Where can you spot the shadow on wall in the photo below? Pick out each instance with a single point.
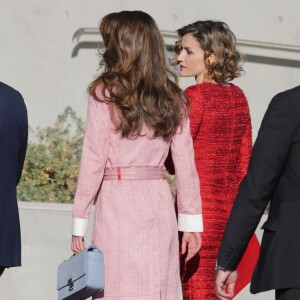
(171, 37)
(249, 57)
(273, 61)
(86, 45)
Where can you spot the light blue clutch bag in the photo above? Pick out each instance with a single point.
(81, 276)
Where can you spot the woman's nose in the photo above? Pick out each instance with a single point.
(180, 56)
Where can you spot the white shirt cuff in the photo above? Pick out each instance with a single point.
(190, 223)
(79, 226)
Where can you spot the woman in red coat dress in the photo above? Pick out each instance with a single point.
(221, 130)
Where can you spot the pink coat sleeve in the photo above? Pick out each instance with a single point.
(93, 160)
(187, 181)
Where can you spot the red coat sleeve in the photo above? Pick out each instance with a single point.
(245, 152)
(196, 110)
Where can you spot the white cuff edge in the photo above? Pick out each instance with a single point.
(79, 226)
(190, 223)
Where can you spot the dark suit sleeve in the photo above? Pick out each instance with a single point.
(23, 148)
(267, 164)
(22, 155)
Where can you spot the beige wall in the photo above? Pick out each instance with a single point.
(36, 46)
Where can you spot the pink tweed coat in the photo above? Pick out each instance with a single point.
(135, 223)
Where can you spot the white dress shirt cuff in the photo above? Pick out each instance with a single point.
(190, 223)
(79, 226)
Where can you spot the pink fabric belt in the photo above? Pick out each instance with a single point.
(133, 173)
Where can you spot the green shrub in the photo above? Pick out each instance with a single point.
(52, 161)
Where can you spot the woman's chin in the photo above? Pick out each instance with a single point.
(183, 74)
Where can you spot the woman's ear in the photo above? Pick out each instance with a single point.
(211, 59)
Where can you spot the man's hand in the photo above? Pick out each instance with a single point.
(225, 282)
(191, 243)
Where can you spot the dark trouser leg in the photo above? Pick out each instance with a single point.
(287, 294)
(2, 270)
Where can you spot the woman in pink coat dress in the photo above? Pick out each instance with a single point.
(135, 114)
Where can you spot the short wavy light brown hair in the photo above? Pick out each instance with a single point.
(216, 38)
(137, 76)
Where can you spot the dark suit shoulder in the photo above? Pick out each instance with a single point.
(292, 94)
(11, 99)
(292, 97)
(285, 103)
(13, 111)
(294, 91)
(6, 89)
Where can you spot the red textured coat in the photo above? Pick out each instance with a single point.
(221, 130)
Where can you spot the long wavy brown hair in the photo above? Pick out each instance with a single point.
(137, 77)
(216, 38)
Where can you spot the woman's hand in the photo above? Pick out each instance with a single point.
(78, 244)
(191, 243)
